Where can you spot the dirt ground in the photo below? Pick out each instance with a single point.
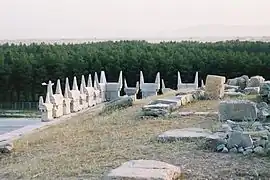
(88, 146)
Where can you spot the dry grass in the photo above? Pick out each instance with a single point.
(89, 146)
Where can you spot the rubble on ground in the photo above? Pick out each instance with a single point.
(165, 106)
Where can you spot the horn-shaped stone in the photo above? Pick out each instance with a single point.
(83, 85)
(137, 84)
(141, 78)
(125, 83)
(67, 88)
(202, 83)
(179, 80)
(196, 80)
(89, 82)
(157, 80)
(163, 84)
(120, 79)
(103, 77)
(96, 82)
(58, 87)
(75, 84)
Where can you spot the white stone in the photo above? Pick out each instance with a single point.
(149, 89)
(187, 86)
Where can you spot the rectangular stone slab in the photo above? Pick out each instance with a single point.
(145, 170)
(237, 110)
(186, 133)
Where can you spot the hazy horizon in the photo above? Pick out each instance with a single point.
(88, 19)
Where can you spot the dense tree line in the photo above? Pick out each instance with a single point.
(24, 67)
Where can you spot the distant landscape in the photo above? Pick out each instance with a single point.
(201, 33)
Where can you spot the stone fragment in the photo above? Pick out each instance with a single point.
(157, 110)
(248, 151)
(259, 150)
(6, 147)
(227, 87)
(213, 142)
(145, 169)
(220, 147)
(263, 111)
(122, 102)
(237, 110)
(234, 150)
(226, 128)
(234, 94)
(225, 150)
(186, 133)
(257, 126)
(255, 81)
(252, 90)
(265, 91)
(240, 150)
(239, 139)
(242, 81)
(214, 87)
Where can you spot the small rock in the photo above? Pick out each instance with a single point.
(257, 126)
(240, 150)
(248, 151)
(226, 128)
(267, 128)
(240, 139)
(233, 150)
(262, 143)
(238, 128)
(6, 147)
(221, 147)
(259, 150)
(225, 150)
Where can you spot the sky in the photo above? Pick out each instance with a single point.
(29, 19)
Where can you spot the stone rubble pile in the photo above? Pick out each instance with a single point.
(243, 138)
(244, 85)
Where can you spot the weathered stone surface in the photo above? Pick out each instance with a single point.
(252, 90)
(186, 133)
(234, 94)
(242, 81)
(259, 150)
(174, 102)
(157, 110)
(265, 91)
(234, 150)
(237, 110)
(263, 111)
(145, 170)
(225, 128)
(255, 81)
(214, 87)
(121, 102)
(227, 86)
(239, 139)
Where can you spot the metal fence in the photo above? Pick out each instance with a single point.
(25, 106)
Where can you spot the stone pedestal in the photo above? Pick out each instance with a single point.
(66, 106)
(46, 112)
